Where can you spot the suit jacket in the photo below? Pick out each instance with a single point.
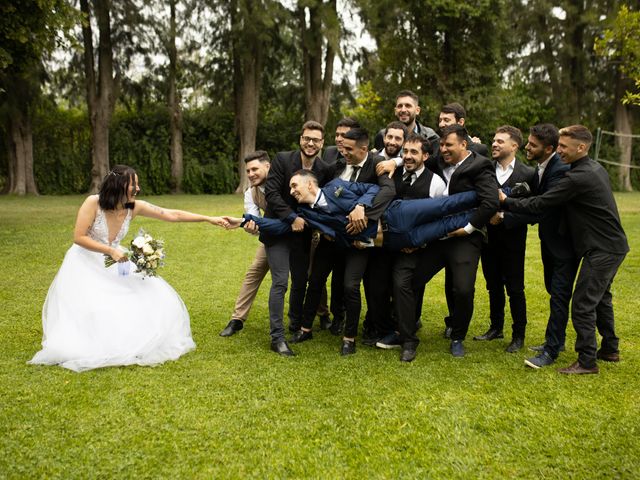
(280, 203)
(476, 173)
(516, 236)
(552, 228)
(368, 175)
(592, 214)
(479, 148)
(331, 156)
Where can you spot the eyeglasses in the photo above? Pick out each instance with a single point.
(306, 139)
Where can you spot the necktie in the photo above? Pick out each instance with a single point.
(354, 173)
(407, 179)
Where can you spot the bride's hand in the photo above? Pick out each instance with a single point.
(220, 221)
(232, 222)
(118, 255)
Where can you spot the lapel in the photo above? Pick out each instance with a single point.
(465, 166)
(550, 167)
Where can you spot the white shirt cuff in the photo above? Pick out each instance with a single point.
(399, 162)
(469, 228)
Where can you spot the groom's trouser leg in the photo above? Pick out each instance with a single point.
(252, 281)
(278, 259)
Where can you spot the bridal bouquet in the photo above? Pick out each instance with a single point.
(146, 253)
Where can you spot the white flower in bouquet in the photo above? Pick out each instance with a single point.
(146, 254)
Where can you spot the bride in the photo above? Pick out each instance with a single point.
(93, 317)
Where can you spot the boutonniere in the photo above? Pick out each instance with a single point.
(338, 191)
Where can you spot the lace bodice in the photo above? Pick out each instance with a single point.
(99, 231)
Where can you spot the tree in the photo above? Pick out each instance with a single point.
(28, 31)
(620, 44)
(319, 33)
(101, 86)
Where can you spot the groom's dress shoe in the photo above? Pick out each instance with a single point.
(282, 348)
(490, 334)
(232, 327)
(301, 336)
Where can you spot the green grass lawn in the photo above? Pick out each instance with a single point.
(233, 409)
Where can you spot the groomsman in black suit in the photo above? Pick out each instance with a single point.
(290, 253)
(559, 261)
(462, 170)
(599, 242)
(360, 167)
(503, 254)
(412, 182)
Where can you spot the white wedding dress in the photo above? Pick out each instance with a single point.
(93, 317)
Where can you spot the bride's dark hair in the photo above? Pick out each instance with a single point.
(115, 184)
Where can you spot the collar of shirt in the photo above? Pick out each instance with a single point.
(320, 201)
(417, 173)
(544, 164)
(346, 173)
(510, 166)
(386, 155)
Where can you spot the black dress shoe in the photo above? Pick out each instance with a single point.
(325, 322)
(407, 355)
(301, 336)
(294, 327)
(490, 334)
(232, 327)
(457, 348)
(447, 332)
(348, 348)
(516, 344)
(337, 326)
(282, 348)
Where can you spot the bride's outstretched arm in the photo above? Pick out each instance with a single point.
(84, 220)
(147, 209)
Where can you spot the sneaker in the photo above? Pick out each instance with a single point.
(389, 342)
(543, 359)
(540, 348)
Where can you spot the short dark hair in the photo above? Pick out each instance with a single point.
(306, 174)
(547, 133)
(398, 126)
(260, 155)
(360, 135)
(348, 122)
(408, 93)
(457, 129)
(514, 133)
(577, 132)
(455, 108)
(113, 190)
(425, 143)
(312, 125)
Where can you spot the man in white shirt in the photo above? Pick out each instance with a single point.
(503, 254)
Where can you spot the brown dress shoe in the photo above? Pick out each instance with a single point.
(608, 357)
(576, 368)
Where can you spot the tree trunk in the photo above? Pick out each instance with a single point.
(317, 87)
(101, 96)
(20, 155)
(175, 111)
(247, 65)
(622, 125)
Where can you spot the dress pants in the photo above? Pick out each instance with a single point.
(252, 280)
(287, 254)
(355, 265)
(406, 301)
(503, 268)
(591, 307)
(328, 258)
(461, 255)
(559, 275)
(378, 292)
